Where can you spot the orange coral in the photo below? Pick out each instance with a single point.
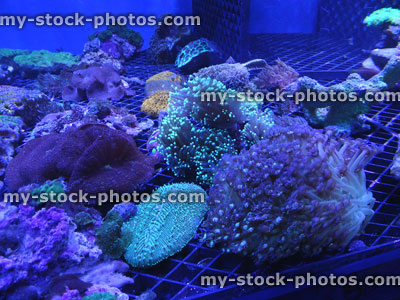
(156, 103)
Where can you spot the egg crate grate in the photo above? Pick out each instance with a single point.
(308, 53)
(179, 276)
(225, 22)
(344, 19)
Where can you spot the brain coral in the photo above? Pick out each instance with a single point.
(297, 192)
(196, 55)
(92, 158)
(162, 228)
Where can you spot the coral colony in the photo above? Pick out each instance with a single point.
(275, 185)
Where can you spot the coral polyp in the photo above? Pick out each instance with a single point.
(298, 191)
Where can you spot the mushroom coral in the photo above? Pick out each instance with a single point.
(297, 192)
(92, 158)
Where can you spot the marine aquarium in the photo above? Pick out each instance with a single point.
(199, 149)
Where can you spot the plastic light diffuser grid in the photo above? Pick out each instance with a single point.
(179, 276)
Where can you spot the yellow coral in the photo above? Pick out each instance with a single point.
(167, 76)
(156, 103)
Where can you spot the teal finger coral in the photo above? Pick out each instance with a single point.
(162, 228)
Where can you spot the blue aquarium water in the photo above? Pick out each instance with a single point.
(204, 149)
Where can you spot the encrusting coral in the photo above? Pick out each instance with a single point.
(38, 246)
(92, 158)
(11, 132)
(297, 192)
(340, 116)
(163, 81)
(156, 103)
(7, 55)
(45, 61)
(30, 105)
(102, 112)
(157, 89)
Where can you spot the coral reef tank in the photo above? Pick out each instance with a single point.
(199, 149)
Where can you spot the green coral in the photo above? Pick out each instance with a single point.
(83, 218)
(133, 37)
(100, 296)
(198, 131)
(192, 50)
(30, 105)
(50, 190)
(341, 116)
(191, 150)
(108, 235)
(45, 59)
(162, 228)
(383, 16)
(257, 128)
(7, 55)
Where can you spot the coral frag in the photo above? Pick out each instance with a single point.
(299, 191)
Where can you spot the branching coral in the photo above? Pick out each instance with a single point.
(164, 225)
(299, 191)
(277, 76)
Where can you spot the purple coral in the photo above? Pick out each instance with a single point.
(42, 245)
(299, 191)
(95, 83)
(93, 158)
